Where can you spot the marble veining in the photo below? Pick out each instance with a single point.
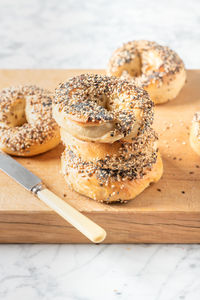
(83, 34)
(61, 272)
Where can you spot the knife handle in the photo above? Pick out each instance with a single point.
(86, 226)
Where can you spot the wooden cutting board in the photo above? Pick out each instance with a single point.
(166, 212)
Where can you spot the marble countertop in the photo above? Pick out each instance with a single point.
(81, 272)
(83, 34)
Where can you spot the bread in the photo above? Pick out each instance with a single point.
(102, 109)
(26, 124)
(92, 182)
(111, 152)
(157, 69)
(195, 133)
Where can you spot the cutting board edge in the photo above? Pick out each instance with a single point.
(134, 228)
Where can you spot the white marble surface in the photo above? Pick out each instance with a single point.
(82, 34)
(99, 272)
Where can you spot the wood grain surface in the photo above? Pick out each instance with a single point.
(166, 212)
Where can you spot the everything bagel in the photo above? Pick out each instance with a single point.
(109, 185)
(26, 124)
(195, 133)
(157, 69)
(145, 144)
(102, 109)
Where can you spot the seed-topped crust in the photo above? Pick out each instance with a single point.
(114, 153)
(149, 65)
(26, 124)
(114, 108)
(196, 122)
(110, 148)
(108, 185)
(196, 117)
(130, 161)
(195, 133)
(110, 170)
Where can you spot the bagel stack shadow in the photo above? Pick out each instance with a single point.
(111, 152)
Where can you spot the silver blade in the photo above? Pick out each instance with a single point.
(20, 174)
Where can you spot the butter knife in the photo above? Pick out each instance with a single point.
(34, 184)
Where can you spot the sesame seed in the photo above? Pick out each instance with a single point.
(41, 129)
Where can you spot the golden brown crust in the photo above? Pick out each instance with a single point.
(101, 108)
(114, 190)
(144, 144)
(111, 150)
(26, 124)
(157, 69)
(195, 133)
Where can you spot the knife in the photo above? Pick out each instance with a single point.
(34, 184)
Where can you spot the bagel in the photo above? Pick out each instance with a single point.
(157, 69)
(97, 152)
(26, 124)
(102, 109)
(107, 185)
(195, 133)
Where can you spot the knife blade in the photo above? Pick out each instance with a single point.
(20, 174)
(34, 184)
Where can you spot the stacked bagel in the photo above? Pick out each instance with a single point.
(111, 152)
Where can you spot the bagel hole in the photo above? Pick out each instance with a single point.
(133, 67)
(144, 62)
(150, 61)
(17, 115)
